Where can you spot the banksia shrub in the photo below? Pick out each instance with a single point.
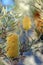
(12, 47)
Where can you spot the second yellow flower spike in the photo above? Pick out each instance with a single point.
(26, 23)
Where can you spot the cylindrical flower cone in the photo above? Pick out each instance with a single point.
(26, 23)
(12, 46)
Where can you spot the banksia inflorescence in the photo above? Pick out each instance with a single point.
(12, 46)
(26, 23)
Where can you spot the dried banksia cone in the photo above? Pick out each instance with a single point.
(38, 22)
(26, 23)
(12, 47)
(36, 15)
(40, 26)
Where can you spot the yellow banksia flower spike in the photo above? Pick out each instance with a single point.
(12, 46)
(26, 23)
